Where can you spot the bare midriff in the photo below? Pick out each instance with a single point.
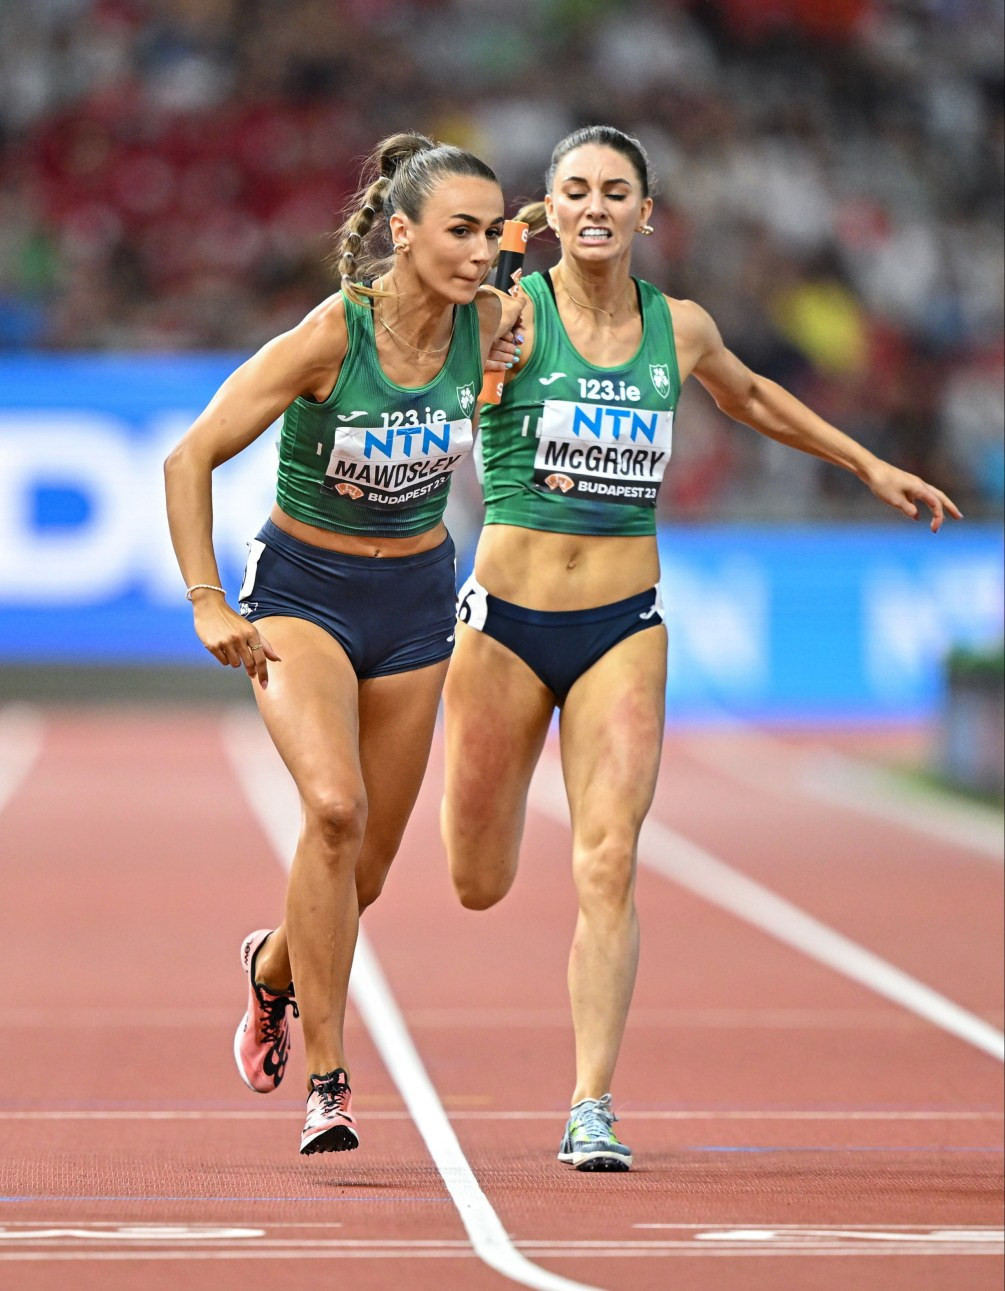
(541, 570)
(358, 544)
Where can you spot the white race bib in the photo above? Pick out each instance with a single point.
(601, 452)
(395, 466)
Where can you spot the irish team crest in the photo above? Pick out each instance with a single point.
(466, 397)
(660, 374)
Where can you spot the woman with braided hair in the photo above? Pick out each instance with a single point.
(346, 616)
(563, 609)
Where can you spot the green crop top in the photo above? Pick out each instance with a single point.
(575, 448)
(376, 458)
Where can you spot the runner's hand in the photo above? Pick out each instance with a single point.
(504, 352)
(233, 641)
(903, 491)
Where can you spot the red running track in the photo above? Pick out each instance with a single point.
(793, 1128)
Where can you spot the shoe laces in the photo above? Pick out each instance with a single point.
(593, 1117)
(331, 1091)
(274, 1013)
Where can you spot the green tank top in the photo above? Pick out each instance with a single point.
(574, 448)
(376, 458)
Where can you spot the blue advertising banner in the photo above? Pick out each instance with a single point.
(820, 623)
(813, 623)
(86, 572)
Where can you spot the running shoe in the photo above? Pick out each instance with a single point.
(590, 1143)
(330, 1126)
(262, 1041)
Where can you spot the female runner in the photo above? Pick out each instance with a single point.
(346, 615)
(563, 609)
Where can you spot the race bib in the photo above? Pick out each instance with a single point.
(601, 452)
(395, 466)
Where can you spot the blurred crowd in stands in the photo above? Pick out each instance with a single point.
(829, 186)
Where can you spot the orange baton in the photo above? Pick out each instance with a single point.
(512, 249)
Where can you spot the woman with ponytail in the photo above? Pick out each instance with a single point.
(346, 618)
(563, 609)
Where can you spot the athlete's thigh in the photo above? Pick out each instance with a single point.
(310, 709)
(397, 717)
(612, 737)
(497, 713)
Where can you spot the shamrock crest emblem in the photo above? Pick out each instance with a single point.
(660, 374)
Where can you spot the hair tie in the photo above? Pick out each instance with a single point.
(369, 210)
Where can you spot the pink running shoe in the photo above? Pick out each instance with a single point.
(330, 1126)
(262, 1041)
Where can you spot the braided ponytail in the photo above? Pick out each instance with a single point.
(398, 175)
(357, 255)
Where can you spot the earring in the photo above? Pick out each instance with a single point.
(399, 247)
(646, 229)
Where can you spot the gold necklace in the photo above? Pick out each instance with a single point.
(596, 308)
(417, 348)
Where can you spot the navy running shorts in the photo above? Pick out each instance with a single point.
(558, 645)
(388, 613)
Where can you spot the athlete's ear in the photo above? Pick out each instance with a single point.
(549, 211)
(399, 226)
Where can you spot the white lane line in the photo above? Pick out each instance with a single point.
(245, 1253)
(834, 777)
(690, 866)
(271, 795)
(760, 760)
(173, 1241)
(637, 1114)
(38, 1241)
(669, 1250)
(20, 746)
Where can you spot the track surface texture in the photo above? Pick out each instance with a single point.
(811, 1080)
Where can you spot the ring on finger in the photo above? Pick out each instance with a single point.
(256, 646)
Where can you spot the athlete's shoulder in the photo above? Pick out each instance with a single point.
(535, 283)
(325, 326)
(690, 319)
(696, 336)
(681, 306)
(314, 348)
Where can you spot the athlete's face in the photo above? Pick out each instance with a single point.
(596, 204)
(453, 243)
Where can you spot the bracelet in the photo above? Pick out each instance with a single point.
(210, 587)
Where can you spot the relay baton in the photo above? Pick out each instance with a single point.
(512, 249)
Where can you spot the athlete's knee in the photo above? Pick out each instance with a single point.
(480, 886)
(337, 817)
(478, 896)
(605, 874)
